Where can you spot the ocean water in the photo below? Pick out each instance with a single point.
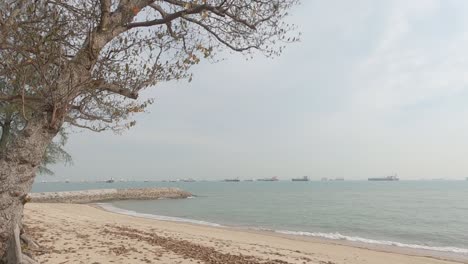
(429, 215)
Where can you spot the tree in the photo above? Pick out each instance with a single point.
(83, 63)
(11, 125)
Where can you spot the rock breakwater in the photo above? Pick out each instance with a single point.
(91, 196)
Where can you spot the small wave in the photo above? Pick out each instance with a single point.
(111, 208)
(338, 236)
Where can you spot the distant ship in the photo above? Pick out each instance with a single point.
(336, 179)
(269, 179)
(388, 178)
(232, 180)
(111, 180)
(188, 180)
(305, 178)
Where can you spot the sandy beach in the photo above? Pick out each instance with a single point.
(75, 233)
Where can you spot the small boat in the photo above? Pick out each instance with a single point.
(111, 180)
(305, 178)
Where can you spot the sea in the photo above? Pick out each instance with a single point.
(425, 215)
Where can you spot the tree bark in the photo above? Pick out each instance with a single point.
(18, 165)
(6, 127)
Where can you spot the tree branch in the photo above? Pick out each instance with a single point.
(114, 88)
(20, 98)
(73, 123)
(218, 37)
(169, 17)
(105, 15)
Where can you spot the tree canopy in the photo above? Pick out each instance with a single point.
(85, 61)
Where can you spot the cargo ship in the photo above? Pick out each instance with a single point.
(388, 178)
(232, 180)
(188, 180)
(305, 178)
(269, 179)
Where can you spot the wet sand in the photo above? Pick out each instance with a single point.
(77, 233)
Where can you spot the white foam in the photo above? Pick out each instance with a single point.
(111, 208)
(338, 236)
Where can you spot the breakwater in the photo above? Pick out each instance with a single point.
(91, 196)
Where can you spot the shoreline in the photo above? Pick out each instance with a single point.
(83, 232)
(439, 255)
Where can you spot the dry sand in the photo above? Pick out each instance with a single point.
(72, 233)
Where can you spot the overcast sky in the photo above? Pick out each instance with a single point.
(373, 88)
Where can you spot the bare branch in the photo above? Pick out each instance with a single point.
(115, 88)
(19, 98)
(169, 17)
(105, 15)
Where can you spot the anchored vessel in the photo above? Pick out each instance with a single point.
(111, 180)
(232, 180)
(269, 179)
(388, 178)
(305, 178)
(188, 180)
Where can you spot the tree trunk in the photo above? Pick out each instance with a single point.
(18, 165)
